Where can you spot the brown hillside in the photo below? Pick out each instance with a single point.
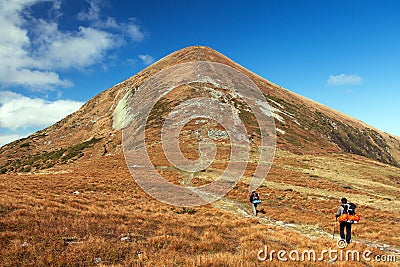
(305, 126)
(69, 199)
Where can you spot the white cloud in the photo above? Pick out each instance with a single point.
(344, 79)
(130, 61)
(21, 112)
(17, 66)
(134, 32)
(32, 78)
(8, 138)
(147, 59)
(34, 50)
(93, 13)
(83, 48)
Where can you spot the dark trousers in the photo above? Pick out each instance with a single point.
(346, 237)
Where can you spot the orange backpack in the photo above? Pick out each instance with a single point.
(349, 218)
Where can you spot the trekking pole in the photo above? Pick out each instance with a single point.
(334, 229)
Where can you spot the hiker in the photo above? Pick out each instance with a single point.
(255, 200)
(343, 213)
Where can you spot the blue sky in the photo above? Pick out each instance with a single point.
(56, 55)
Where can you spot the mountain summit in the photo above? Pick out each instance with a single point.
(87, 190)
(303, 126)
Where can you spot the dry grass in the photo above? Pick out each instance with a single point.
(44, 221)
(91, 212)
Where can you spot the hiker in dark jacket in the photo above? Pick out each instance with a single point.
(342, 209)
(255, 200)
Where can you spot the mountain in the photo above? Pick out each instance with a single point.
(69, 199)
(303, 126)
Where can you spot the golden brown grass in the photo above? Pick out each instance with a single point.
(44, 223)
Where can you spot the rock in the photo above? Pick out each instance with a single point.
(126, 238)
(217, 134)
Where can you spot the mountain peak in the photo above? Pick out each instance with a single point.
(194, 53)
(303, 126)
(197, 53)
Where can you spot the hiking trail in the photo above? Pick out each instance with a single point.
(310, 231)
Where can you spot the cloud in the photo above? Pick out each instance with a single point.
(147, 59)
(93, 13)
(17, 66)
(33, 50)
(130, 61)
(134, 32)
(344, 79)
(43, 80)
(20, 112)
(8, 138)
(61, 50)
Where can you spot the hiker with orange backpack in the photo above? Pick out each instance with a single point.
(347, 216)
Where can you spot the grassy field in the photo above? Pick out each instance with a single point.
(68, 199)
(93, 213)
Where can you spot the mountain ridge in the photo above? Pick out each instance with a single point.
(69, 196)
(303, 125)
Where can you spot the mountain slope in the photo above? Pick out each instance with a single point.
(69, 199)
(303, 126)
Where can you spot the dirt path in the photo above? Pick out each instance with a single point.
(310, 231)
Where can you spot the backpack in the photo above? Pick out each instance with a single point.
(255, 198)
(349, 208)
